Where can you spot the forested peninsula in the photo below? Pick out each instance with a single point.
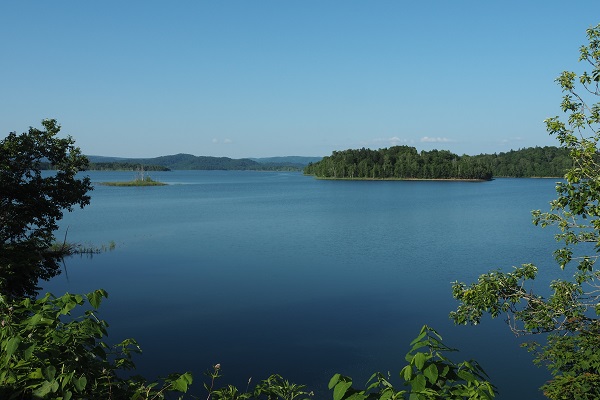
(405, 162)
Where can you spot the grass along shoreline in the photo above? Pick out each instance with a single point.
(147, 181)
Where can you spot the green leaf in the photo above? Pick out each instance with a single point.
(181, 384)
(418, 338)
(340, 390)
(35, 374)
(386, 395)
(34, 320)
(49, 372)
(431, 373)
(466, 376)
(28, 352)
(80, 383)
(95, 298)
(419, 360)
(43, 390)
(418, 384)
(11, 347)
(406, 373)
(66, 379)
(333, 381)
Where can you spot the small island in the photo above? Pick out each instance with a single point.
(140, 180)
(136, 182)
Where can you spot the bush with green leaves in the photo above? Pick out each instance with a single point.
(429, 375)
(570, 314)
(47, 352)
(272, 388)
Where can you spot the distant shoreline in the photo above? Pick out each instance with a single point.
(401, 179)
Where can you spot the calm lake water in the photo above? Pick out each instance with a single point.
(281, 273)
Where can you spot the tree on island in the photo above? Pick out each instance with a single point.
(570, 315)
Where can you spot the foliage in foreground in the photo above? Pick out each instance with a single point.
(429, 375)
(54, 348)
(46, 352)
(570, 315)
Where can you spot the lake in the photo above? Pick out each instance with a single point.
(276, 272)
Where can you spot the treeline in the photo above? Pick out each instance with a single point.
(279, 167)
(399, 162)
(190, 162)
(405, 162)
(112, 166)
(186, 162)
(125, 166)
(532, 162)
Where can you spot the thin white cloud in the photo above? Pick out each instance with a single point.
(427, 139)
(225, 141)
(392, 141)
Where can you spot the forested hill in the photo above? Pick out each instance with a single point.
(405, 162)
(191, 162)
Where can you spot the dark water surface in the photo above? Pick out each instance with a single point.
(281, 273)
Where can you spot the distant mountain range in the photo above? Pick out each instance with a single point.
(191, 162)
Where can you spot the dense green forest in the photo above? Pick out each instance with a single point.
(398, 162)
(405, 162)
(549, 161)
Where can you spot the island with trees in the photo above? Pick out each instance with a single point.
(399, 162)
(405, 162)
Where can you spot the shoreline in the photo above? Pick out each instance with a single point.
(402, 179)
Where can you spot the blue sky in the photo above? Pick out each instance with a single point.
(275, 78)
